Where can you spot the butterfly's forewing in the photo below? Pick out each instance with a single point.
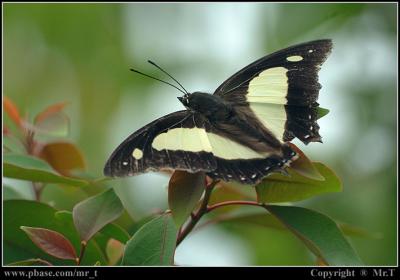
(281, 90)
(143, 151)
(186, 140)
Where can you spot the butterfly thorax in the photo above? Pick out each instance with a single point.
(214, 108)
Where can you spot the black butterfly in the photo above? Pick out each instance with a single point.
(239, 132)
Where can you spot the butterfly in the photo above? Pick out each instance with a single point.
(239, 133)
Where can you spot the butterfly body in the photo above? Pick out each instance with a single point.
(241, 131)
(212, 107)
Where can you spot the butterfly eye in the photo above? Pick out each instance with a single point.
(184, 100)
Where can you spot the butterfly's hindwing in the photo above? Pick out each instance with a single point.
(252, 171)
(281, 90)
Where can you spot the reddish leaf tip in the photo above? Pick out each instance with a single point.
(50, 110)
(12, 111)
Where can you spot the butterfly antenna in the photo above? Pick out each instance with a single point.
(154, 64)
(141, 73)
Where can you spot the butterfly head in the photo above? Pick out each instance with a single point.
(193, 101)
(185, 100)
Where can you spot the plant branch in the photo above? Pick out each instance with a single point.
(194, 218)
(233, 202)
(83, 247)
(37, 189)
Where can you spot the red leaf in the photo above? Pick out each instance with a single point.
(6, 130)
(12, 111)
(49, 111)
(52, 242)
(304, 166)
(63, 157)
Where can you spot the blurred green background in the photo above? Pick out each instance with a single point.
(81, 53)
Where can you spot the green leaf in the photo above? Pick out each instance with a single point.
(33, 169)
(280, 188)
(152, 244)
(184, 192)
(18, 246)
(270, 221)
(351, 230)
(95, 212)
(31, 262)
(13, 144)
(51, 242)
(136, 225)
(322, 112)
(255, 219)
(63, 196)
(319, 233)
(116, 232)
(10, 192)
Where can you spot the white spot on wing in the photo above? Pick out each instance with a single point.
(253, 176)
(310, 51)
(125, 163)
(294, 58)
(137, 153)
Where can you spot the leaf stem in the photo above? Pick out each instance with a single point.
(83, 247)
(37, 189)
(44, 262)
(194, 218)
